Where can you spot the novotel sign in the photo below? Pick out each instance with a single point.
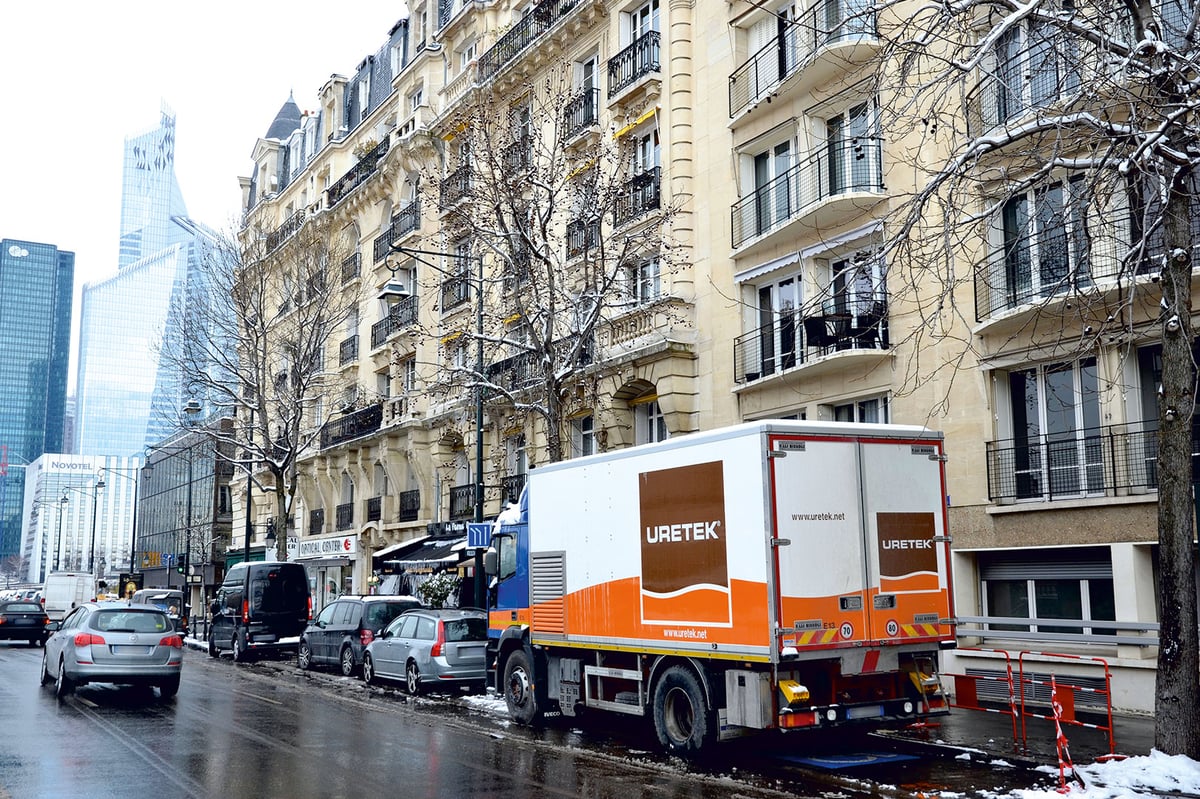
(332, 546)
(71, 466)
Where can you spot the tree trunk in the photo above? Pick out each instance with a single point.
(1177, 695)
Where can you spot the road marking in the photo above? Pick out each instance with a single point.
(259, 697)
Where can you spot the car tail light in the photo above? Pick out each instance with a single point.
(366, 636)
(246, 611)
(88, 639)
(310, 607)
(172, 640)
(436, 651)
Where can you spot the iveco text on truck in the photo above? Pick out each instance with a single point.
(772, 575)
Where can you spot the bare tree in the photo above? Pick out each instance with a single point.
(254, 343)
(13, 569)
(1064, 135)
(560, 224)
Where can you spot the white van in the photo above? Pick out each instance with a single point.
(65, 590)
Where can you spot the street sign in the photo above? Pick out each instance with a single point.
(478, 535)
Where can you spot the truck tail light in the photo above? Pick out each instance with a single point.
(88, 639)
(245, 611)
(436, 651)
(366, 636)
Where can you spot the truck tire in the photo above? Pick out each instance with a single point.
(519, 693)
(682, 719)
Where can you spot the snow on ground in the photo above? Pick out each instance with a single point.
(1152, 774)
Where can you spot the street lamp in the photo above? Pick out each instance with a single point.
(249, 486)
(58, 503)
(96, 489)
(389, 294)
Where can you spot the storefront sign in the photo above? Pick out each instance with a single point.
(327, 547)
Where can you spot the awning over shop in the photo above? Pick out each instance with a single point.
(394, 548)
(430, 553)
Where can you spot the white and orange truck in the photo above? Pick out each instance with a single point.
(773, 575)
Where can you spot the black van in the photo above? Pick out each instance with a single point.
(262, 606)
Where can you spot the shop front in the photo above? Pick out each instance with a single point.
(330, 563)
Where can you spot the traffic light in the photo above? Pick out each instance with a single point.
(181, 563)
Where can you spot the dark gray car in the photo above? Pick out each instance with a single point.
(343, 629)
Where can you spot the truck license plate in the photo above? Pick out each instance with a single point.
(866, 712)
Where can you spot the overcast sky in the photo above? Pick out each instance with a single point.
(80, 76)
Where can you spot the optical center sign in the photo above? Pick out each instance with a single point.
(328, 547)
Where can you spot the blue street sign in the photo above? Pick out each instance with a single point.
(479, 535)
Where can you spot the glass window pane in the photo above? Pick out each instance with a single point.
(1007, 598)
(1058, 599)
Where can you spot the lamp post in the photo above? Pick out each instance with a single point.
(44, 534)
(96, 489)
(249, 486)
(393, 290)
(62, 504)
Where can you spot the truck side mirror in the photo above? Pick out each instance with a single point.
(489, 561)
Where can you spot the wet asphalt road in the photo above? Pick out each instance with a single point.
(270, 730)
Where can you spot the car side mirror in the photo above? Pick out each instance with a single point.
(489, 560)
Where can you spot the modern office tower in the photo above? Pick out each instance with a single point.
(35, 333)
(78, 514)
(127, 397)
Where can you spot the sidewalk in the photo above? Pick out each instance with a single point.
(993, 733)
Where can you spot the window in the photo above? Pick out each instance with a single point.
(381, 481)
(383, 384)
(650, 423)
(416, 99)
(466, 55)
(585, 73)
(364, 96)
(867, 411)
(643, 20)
(772, 188)
(778, 309)
(1035, 64)
(646, 152)
(408, 375)
(1044, 236)
(853, 150)
(1054, 416)
(516, 460)
(583, 436)
(645, 282)
(772, 44)
(1072, 584)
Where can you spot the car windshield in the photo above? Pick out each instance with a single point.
(22, 607)
(130, 621)
(466, 630)
(379, 614)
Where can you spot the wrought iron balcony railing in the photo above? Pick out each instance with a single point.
(838, 168)
(518, 155)
(522, 34)
(462, 502)
(410, 505)
(639, 195)
(400, 315)
(1096, 462)
(316, 521)
(524, 369)
(637, 60)
(455, 186)
(582, 235)
(792, 340)
(581, 112)
(289, 226)
(348, 351)
(344, 516)
(351, 426)
(403, 221)
(510, 487)
(351, 267)
(358, 174)
(455, 291)
(374, 509)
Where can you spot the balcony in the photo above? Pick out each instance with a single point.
(399, 315)
(825, 189)
(1093, 462)
(316, 521)
(792, 341)
(524, 369)
(523, 33)
(357, 175)
(627, 67)
(830, 32)
(455, 291)
(351, 426)
(343, 516)
(510, 487)
(581, 112)
(348, 351)
(289, 226)
(462, 502)
(351, 268)
(639, 195)
(404, 221)
(410, 505)
(582, 235)
(455, 186)
(374, 509)
(518, 155)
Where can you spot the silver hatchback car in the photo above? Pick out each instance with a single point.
(114, 642)
(430, 647)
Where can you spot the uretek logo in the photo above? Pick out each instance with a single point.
(685, 568)
(906, 544)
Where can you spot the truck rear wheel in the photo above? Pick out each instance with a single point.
(519, 693)
(682, 719)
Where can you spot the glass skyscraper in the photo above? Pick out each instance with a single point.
(36, 281)
(127, 397)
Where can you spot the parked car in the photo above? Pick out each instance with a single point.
(113, 642)
(169, 600)
(343, 629)
(431, 647)
(24, 620)
(262, 606)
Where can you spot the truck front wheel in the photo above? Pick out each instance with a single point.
(519, 694)
(682, 719)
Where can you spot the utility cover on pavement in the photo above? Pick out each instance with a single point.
(837, 762)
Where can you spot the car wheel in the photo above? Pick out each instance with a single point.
(45, 676)
(239, 653)
(682, 718)
(519, 694)
(304, 656)
(348, 664)
(368, 670)
(412, 678)
(169, 688)
(65, 685)
(212, 645)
